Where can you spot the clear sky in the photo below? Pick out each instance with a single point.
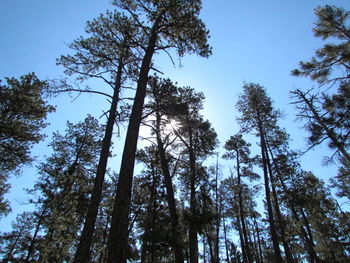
(253, 41)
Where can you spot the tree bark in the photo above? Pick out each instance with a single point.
(118, 235)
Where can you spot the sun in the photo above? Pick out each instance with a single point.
(171, 126)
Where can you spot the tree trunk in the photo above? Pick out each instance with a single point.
(82, 254)
(118, 235)
(308, 240)
(9, 254)
(176, 234)
(37, 228)
(218, 211)
(281, 222)
(241, 240)
(259, 240)
(210, 245)
(273, 231)
(153, 201)
(245, 245)
(193, 239)
(225, 236)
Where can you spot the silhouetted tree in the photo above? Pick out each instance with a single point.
(23, 111)
(108, 54)
(166, 24)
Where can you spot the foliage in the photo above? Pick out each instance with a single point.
(23, 111)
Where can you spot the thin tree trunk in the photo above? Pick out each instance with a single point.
(273, 231)
(176, 234)
(259, 240)
(118, 235)
(218, 211)
(193, 239)
(9, 254)
(204, 253)
(82, 254)
(245, 245)
(256, 248)
(281, 223)
(102, 258)
(225, 236)
(309, 231)
(210, 244)
(153, 224)
(308, 241)
(241, 239)
(32, 242)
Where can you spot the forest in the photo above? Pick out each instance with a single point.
(171, 200)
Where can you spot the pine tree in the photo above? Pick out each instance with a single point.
(111, 55)
(321, 217)
(238, 150)
(257, 113)
(23, 111)
(162, 106)
(64, 186)
(154, 218)
(15, 244)
(168, 24)
(327, 111)
(198, 141)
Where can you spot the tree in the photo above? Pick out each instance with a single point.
(15, 244)
(238, 150)
(230, 190)
(198, 141)
(23, 111)
(327, 111)
(168, 24)
(318, 210)
(154, 217)
(108, 54)
(328, 121)
(257, 112)
(64, 186)
(163, 105)
(332, 22)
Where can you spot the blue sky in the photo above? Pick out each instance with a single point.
(253, 41)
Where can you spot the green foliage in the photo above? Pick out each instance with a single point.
(23, 111)
(331, 59)
(64, 186)
(152, 208)
(329, 66)
(316, 206)
(180, 26)
(113, 41)
(256, 109)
